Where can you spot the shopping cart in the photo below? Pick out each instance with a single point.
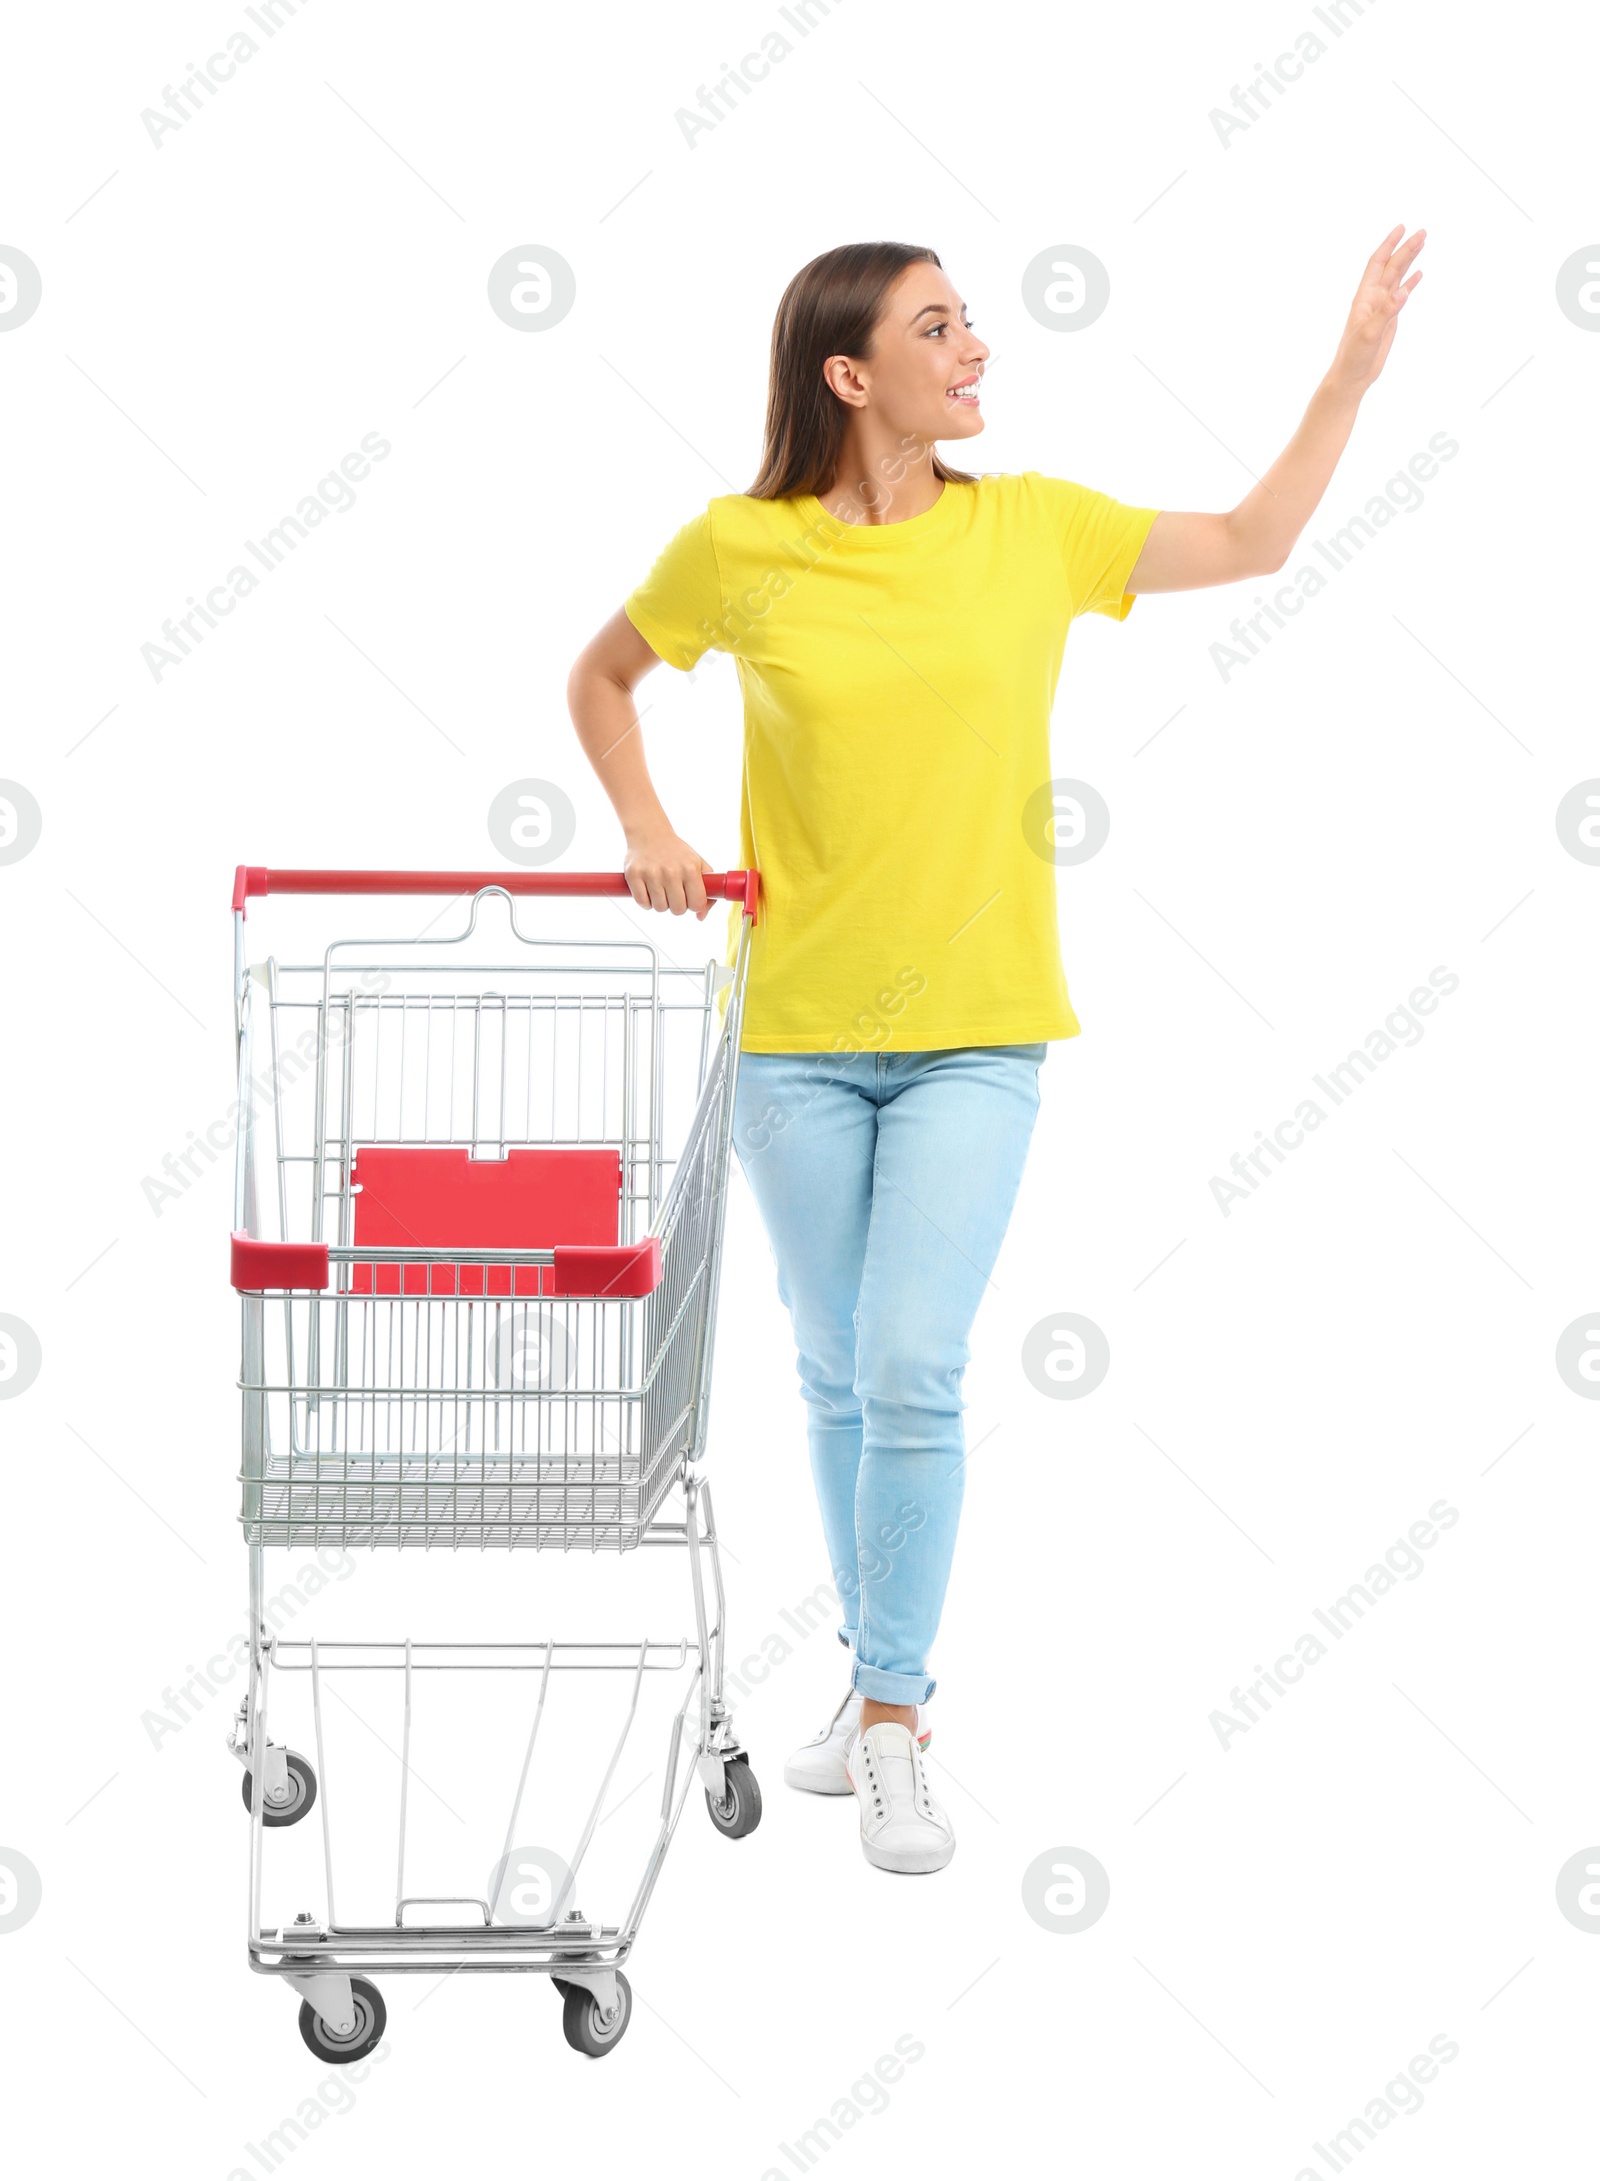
(478, 1316)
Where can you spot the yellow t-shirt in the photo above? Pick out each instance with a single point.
(897, 679)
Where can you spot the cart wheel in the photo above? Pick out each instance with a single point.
(739, 1811)
(372, 2019)
(581, 2020)
(301, 1793)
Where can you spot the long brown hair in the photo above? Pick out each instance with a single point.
(830, 308)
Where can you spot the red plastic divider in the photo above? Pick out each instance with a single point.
(428, 1197)
(432, 1198)
(412, 1196)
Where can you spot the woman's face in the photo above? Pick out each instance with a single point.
(927, 363)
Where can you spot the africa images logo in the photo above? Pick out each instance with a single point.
(1399, 1027)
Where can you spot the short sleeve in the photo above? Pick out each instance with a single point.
(678, 606)
(1100, 540)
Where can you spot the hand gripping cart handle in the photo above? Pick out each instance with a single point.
(483, 1155)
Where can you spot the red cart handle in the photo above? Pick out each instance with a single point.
(256, 878)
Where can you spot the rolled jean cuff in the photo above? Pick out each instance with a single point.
(887, 1688)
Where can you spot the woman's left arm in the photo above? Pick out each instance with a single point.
(1191, 552)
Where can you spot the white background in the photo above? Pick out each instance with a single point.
(305, 262)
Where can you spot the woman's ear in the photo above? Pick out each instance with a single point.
(841, 378)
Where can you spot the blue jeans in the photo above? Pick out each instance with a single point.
(885, 1182)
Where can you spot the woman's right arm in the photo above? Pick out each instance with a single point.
(663, 872)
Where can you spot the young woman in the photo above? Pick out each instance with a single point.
(899, 627)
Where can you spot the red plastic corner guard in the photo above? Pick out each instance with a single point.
(607, 1271)
(752, 891)
(278, 1264)
(248, 879)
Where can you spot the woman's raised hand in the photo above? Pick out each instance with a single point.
(1375, 312)
(663, 872)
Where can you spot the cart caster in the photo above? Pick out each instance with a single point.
(372, 2018)
(299, 1793)
(581, 2020)
(738, 1811)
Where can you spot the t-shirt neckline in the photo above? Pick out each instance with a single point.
(878, 532)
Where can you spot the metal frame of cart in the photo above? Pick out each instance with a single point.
(573, 1093)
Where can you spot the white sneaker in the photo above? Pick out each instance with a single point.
(902, 1827)
(819, 1768)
